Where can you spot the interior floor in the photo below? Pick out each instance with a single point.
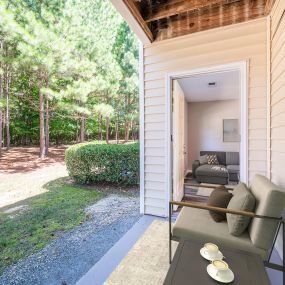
(197, 194)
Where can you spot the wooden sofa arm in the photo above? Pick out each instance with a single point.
(222, 210)
(210, 187)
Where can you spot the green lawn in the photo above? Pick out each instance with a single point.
(47, 215)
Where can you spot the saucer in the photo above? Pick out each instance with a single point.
(227, 277)
(203, 252)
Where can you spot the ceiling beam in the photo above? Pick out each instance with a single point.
(174, 8)
(137, 15)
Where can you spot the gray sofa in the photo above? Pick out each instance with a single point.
(228, 168)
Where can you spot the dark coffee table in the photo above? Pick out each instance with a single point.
(189, 267)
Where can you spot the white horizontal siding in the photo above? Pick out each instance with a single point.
(277, 125)
(246, 41)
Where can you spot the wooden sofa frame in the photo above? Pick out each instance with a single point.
(201, 206)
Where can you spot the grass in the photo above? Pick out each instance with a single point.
(59, 209)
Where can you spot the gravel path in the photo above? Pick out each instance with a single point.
(69, 257)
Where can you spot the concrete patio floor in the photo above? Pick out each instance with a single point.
(100, 272)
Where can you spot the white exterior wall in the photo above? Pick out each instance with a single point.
(277, 100)
(245, 41)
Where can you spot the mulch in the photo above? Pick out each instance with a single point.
(26, 159)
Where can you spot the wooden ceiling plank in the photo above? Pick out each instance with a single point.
(209, 19)
(268, 6)
(137, 15)
(174, 8)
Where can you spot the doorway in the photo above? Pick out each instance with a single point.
(178, 152)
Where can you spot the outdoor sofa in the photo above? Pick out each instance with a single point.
(194, 222)
(227, 170)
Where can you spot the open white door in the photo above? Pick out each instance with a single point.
(178, 141)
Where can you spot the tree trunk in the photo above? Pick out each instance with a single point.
(100, 128)
(132, 131)
(117, 132)
(1, 96)
(1, 117)
(3, 128)
(42, 125)
(77, 133)
(107, 129)
(82, 129)
(47, 126)
(127, 131)
(8, 139)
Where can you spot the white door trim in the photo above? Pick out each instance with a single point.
(242, 67)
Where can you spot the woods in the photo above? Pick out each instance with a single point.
(68, 73)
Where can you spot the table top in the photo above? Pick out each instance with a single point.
(189, 267)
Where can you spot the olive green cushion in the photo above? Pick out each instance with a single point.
(270, 201)
(242, 200)
(197, 224)
(219, 198)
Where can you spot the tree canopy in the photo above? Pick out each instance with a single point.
(68, 71)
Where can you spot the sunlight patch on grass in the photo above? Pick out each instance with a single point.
(59, 209)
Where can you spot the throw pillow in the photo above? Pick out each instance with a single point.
(203, 159)
(219, 198)
(242, 200)
(212, 159)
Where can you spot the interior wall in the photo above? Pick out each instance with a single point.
(277, 100)
(245, 41)
(206, 126)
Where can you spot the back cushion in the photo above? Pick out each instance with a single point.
(243, 200)
(203, 159)
(270, 201)
(232, 158)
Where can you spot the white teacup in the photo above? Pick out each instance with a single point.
(221, 267)
(211, 249)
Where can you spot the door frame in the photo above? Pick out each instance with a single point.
(242, 67)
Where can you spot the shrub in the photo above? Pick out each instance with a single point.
(95, 162)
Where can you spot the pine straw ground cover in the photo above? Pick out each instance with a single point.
(44, 217)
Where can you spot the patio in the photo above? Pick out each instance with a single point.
(141, 257)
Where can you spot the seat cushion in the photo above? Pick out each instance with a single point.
(233, 168)
(242, 200)
(219, 198)
(198, 225)
(270, 201)
(212, 170)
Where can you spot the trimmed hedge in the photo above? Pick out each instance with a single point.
(95, 162)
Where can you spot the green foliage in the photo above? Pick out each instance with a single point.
(58, 210)
(80, 55)
(97, 162)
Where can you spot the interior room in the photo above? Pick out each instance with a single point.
(206, 131)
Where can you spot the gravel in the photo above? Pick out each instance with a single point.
(69, 257)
